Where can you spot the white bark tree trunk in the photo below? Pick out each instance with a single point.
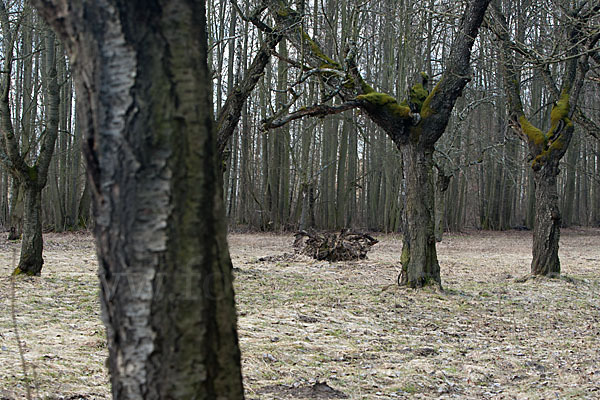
(144, 104)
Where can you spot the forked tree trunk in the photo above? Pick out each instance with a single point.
(144, 102)
(420, 266)
(31, 261)
(32, 179)
(547, 148)
(414, 127)
(546, 230)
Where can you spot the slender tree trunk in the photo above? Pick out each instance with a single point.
(420, 266)
(341, 190)
(546, 231)
(75, 178)
(16, 206)
(85, 204)
(4, 221)
(441, 186)
(596, 188)
(143, 93)
(569, 189)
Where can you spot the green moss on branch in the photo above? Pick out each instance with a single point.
(418, 95)
(561, 109)
(533, 134)
(326, 62)
(426, 110)
(559, 113)
(386, 102)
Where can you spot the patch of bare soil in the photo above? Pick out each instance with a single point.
(311, 328)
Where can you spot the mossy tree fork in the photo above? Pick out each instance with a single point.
(546, 149)
(414, 125)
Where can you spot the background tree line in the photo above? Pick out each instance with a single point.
(340, 171)
(343, 170)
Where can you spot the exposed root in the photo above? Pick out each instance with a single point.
(331, 246)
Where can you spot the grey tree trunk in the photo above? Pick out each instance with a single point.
(143, 93)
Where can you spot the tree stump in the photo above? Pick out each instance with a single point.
(331, 246)
(13, 235)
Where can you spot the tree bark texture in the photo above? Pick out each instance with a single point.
(143, 93)
(546, 229)
(31, 260)
(420, 265)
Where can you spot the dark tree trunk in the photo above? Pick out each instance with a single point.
(420, 266)
(546, 229)
(144, 102)
(31, 260)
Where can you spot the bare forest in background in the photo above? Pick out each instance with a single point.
(343, 171)
(339, 171)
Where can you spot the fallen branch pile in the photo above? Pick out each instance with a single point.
(331, 246)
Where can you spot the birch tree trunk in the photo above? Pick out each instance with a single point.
(144, 104)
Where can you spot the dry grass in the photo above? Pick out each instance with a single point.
(346, 324)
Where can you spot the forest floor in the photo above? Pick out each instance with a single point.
(311, 329)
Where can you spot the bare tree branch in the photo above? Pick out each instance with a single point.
(318, 110)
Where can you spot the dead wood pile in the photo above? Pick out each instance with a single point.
(331, 246)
